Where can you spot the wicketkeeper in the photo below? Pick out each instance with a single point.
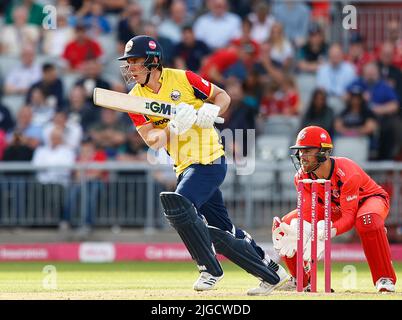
(196, 209)
(357, 201)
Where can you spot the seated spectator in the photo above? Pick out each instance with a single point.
(129, 25)
(94, 183)
(314, 52)
(43, 111)
(357, 119)
(218, 26)
(23, 76)
(34, 9)
(261, 22)
(319, 113)
(383, 101)
(92, 78)
(109, 133)
(358, 53)
(295, 17)
(150, 29)
(30, 133)
(281, 50)
(388, 71)
(18, 149)
(238, 116)
(280, 98)
(81, 49)
(18, 33)
(190, 52)
(55, 40)
(6, 119)
(134, 149)
(80, 110)
(72, 132)
(335, 75)
(393, 33)
(92, 15)
(50, 85)
(171, 27)
(250, 47)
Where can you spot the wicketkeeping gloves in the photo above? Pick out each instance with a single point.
(207, 115)
(184, 118)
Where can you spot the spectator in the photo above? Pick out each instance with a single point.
(35, 10)
(129, 25)
(218, 26)
(314, 52)
(190, 52)
(335, 75)
(30, 133)
(262, 22)
(81, 49)
(92, 78)
(19, 149)
(80, 110)
(151, 30)
(358, 53)
(238, 116)
(72, 132)
(55, 40)
(171, 27)
(393, 31)
(43, 112)
(94, 183)
(281, 50)
(388, 71)
(250, 47)
(134, 149)
(23, 76)
(280, 98)
(92, 15)
(20, 32)
(357, 119)
(383, 101)
(50, 85)
(109, 133)
(295, 17)
(6, 119)
(319, 113)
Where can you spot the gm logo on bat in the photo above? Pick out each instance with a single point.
(162, 108)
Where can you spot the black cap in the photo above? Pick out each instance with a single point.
(142, 47)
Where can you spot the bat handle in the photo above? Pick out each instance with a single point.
(219, 120)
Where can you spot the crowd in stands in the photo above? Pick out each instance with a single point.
(264, 53)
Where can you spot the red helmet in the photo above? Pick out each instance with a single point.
(313, 137)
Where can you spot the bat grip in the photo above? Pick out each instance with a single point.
(219, 120)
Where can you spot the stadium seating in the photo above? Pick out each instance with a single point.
(355, 148)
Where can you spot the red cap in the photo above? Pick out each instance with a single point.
(313, 137)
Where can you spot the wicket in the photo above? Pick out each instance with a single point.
(327, 230)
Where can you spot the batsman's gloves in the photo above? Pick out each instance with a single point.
(206, 115)
(184, 118)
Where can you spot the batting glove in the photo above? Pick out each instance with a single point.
(184, 118)
(206, 115)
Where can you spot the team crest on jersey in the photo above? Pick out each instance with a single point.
(175, 95)
(129, 46)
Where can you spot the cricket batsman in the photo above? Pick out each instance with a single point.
(196, 209)
(357, 201)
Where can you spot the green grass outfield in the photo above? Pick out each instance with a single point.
(167, 280)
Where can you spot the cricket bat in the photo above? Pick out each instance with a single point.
(126, 103)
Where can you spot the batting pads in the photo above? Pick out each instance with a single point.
(182, 216)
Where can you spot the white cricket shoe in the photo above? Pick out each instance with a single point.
(291, 285)
(385, 285)
(265, 288)
(206, 281)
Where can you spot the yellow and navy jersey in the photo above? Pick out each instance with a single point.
(196, 145)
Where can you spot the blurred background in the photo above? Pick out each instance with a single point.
(70, 171)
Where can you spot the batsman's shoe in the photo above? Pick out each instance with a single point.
(206, 281)
(291, 285)
(265, 288)
(385, 285)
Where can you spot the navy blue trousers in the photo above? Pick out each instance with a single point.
(200, 184)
